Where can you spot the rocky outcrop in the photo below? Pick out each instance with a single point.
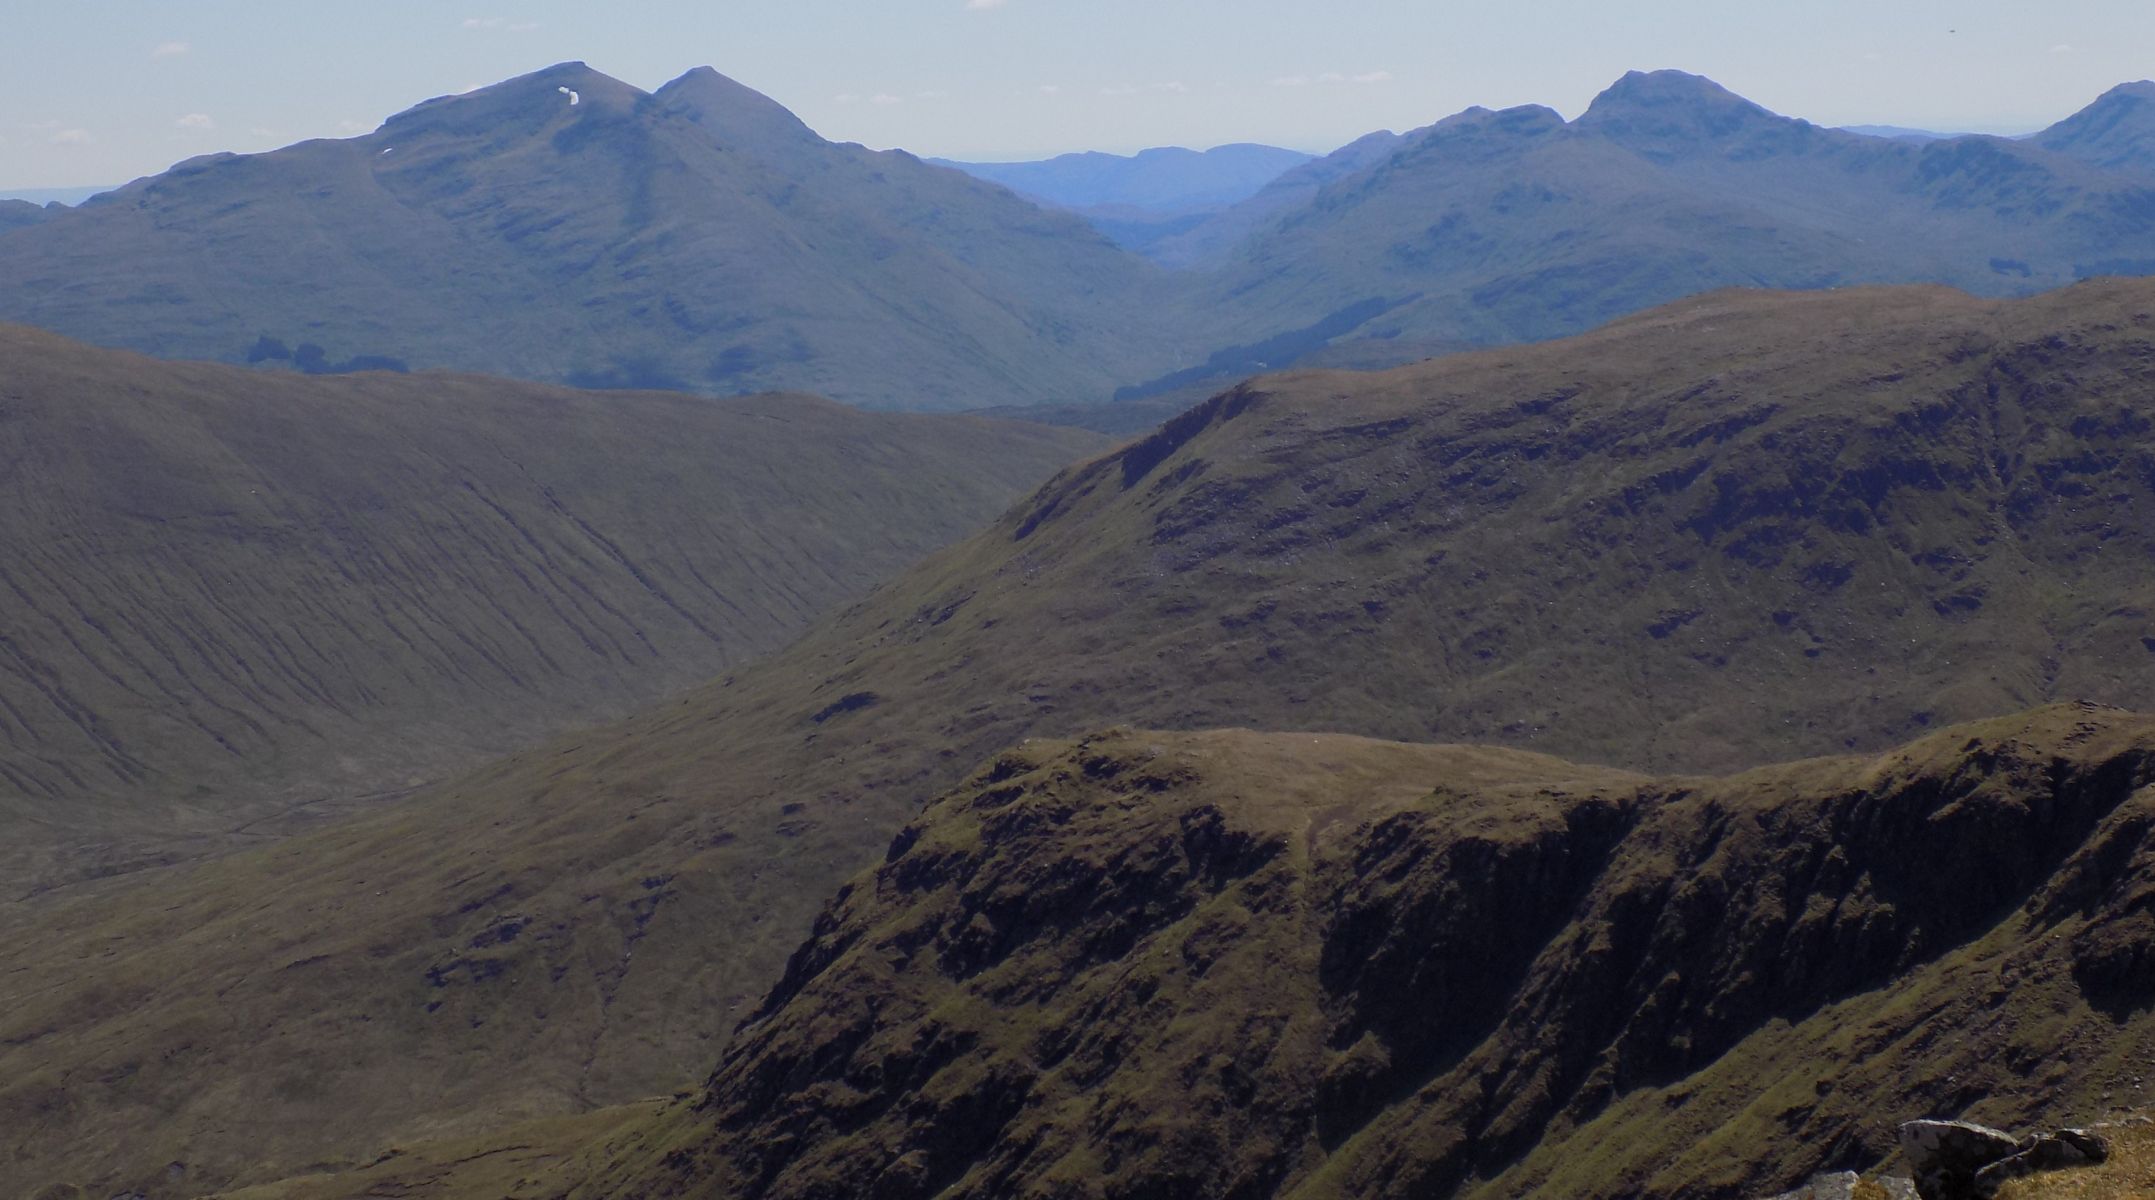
(1958, 1160)
(1235, 966)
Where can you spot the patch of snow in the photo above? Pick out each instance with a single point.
(574, 97)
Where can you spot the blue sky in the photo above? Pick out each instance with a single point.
(102, 92)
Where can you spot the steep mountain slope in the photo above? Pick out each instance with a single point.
(2117, 131)
(1220, 232)
(223, 594)
(1494, 227)
(1240, 965)
(566, 227)
(1166, 179)
(1728, 532)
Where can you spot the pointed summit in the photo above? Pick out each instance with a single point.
(2116, 132)
(733, 112)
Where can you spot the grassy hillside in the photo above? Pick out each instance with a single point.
(1243, 965)
(230, 595)
(696, 238)
(1735, 531)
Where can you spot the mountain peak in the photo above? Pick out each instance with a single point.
(730, 108)
(539, 95)
(1666, 113)
(2117, 131)
(1663, 93)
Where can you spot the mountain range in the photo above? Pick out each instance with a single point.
(566, 227)
(239, 601)
(1494, 227)
(1736, 531)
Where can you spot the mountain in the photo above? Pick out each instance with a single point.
(1138, 201)
(1494, 227)
(63, 196)
(1734, 531)
(235, 599)
(2116, 132)
(1293, 966)
(1900, 133)
(14, 214)
(566, 227)
(1206, 239)
(1167, 179)
(569, 228)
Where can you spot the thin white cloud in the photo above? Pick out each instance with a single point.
(196, 121)
(885, 99)
(1332, 77)
(983, 5)
(2061, 48)
(1177, 87)
(1051, 89)
(72, 137)
(170, 50)
(498, 23)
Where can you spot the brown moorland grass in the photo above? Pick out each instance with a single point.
(1742, 529)
(227, 595)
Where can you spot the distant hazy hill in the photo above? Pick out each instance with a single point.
(17, 213)
(67, 195)
(1898, 133)
(1741, 529)
(1142, 200)
(227, 593)
(1494, 227)
(567, 227)
(1167, 179)
(1205, 240)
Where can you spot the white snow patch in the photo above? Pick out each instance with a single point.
(574, 97)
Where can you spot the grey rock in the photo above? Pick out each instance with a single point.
(2065, 1148)
(1838, 1186)
(1959, 1160)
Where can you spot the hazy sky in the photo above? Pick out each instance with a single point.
(100, 92)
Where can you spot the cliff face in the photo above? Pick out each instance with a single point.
(1242, 965)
